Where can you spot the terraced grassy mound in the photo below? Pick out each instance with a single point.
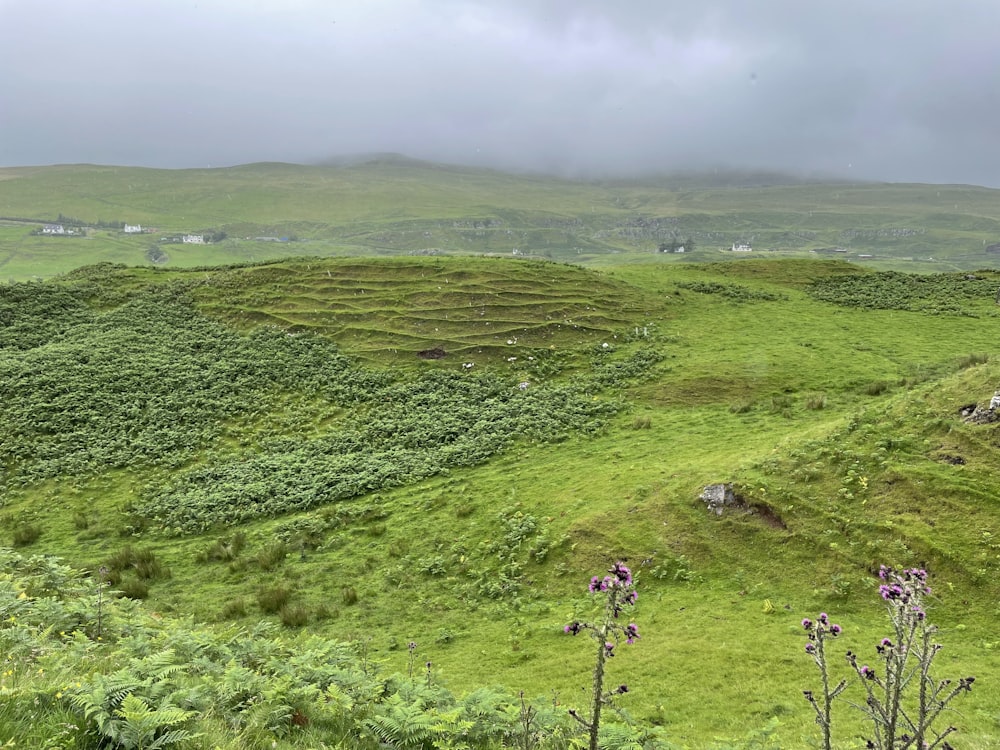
(397, 308)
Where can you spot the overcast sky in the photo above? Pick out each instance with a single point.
(877, 89)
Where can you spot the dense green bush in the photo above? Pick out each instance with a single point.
(939, 294)
(731, 292)
(414, 430)
(153, 382)
(35, 314)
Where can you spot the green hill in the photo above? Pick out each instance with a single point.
(443, 450)
(394, 206)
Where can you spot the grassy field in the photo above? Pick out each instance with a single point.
(392, 206)
(351, 436)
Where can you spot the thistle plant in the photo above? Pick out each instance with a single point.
(819, 631)
(902, 699)
(618, 591)
(411, 647)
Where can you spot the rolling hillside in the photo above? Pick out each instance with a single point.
(394, 206)
(444, 449)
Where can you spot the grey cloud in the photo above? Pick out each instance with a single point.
(882, 90)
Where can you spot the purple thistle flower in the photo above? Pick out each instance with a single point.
(573, 628)
(622, 573)
(807, 623)
(823, 618)
(867, 672)
(835, 629)
(631, 632)
(810, 647)
(595, 584)
(887, 643)
(609, 648)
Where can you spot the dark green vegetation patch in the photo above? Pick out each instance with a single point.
(268, 421)
(410, 431)
(939, 294)
(152, 382)
(33, 314)
(733, 292)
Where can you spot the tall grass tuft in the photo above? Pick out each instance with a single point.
(26, 534)
(293, 615)
(234, 608)
(876, 388)
(272, 556)
(142, 563)
(224, 549)
(642, 423)
(273, 598)
(742, 406)
(816, 402)
(972, 360)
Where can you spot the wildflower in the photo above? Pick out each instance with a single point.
(412, 645)
(810, 647)
(807, 623)
(631, 632)
(622, 573)
(622, 689)
(823, 618)
(835, 629)
(609, 648)
(867, 672)
(573, 628)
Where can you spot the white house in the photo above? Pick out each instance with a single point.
(133, 229)
(53, 229)
(193, 239)
(742, 247)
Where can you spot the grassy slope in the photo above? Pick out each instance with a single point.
(391, 207)
(735, 400)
